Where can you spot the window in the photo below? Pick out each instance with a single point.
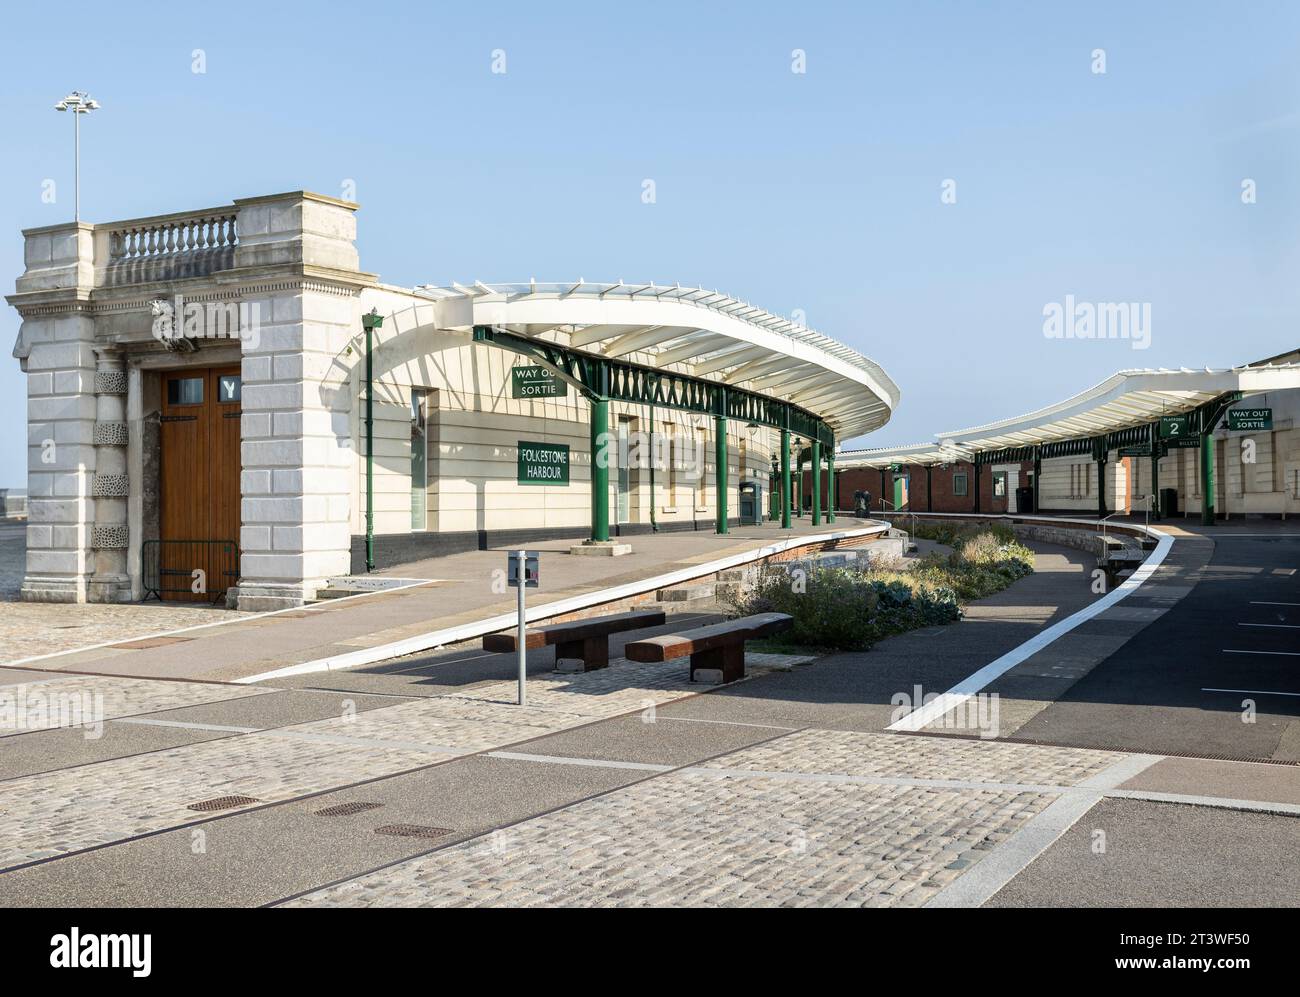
(959, 487)
(229, 388)
(999, 484)
(185, 391)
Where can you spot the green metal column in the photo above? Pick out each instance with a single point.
(370, 322)
(1154, 437)
(1038, 476)
(1101, 455)
(785, 479)
(831, 491)
(1207, 473)
(720, 470)
(816, 482)
(599, 469)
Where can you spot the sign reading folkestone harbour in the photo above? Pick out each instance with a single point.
(1250, 418)
(543, 463)
(536, 382)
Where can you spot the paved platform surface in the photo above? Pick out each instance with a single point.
(214, 644)
(417, 782)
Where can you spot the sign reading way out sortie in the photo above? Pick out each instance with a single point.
(1250, 418)
(536, 382)
(543, 463)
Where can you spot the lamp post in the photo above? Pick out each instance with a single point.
(371, 321)
(78, 103)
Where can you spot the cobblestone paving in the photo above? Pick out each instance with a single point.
(74, 700)
(904, 756)
(696, 837)
(55, 812)
(28, 629)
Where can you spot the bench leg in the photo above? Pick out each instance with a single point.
(582, 655)
(730, 660)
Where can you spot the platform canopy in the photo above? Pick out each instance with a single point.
(696, 332)
(1125, 400)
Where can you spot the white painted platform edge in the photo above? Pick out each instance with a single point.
(467, 631)
(973, 683)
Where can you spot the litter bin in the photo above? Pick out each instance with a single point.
(1169, 501)
(1025, 499)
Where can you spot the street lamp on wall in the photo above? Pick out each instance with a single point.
(78, 103)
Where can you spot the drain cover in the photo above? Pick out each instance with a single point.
(347, 809)
(413, 831)
(223, 803)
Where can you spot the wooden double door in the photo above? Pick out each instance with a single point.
(199, 483)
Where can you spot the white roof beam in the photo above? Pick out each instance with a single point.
(693, 348)
(729, 359)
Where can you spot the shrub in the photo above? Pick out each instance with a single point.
(851, 608)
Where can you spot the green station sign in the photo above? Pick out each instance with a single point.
(1250, 418)
(536, 382)
(1175, 425)
(1180, 443)
(543, 463)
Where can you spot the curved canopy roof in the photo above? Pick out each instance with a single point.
(692, 330)
(1126, 399)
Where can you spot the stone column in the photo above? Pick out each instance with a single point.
(110, 581)
(297, 256)
(56, 352)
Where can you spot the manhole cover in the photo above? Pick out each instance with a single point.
(413, 831)
(223, 803)
(347, 809)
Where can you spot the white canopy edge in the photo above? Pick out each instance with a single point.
(1128, 398)
(709, 334)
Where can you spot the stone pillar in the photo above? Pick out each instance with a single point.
(110, 581)
(298, 256)
(55, 349)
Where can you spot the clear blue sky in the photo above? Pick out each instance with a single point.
(818, 192)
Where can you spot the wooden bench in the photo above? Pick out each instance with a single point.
(585, 642)
(1117, 562)
(720, 645)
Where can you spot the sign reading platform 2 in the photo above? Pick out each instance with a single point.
(543, 463)
(536, 382)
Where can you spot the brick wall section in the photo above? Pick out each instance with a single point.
(868, 479)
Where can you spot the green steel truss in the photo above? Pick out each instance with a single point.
(600, 378)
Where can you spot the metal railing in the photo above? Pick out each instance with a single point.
(194, 570)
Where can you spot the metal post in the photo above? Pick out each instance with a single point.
(1154, 437)
(370, 322)
(1207, 473)
(816, 482)
(522, 576)
(929, 488)
(1101, 481)
(654, 523)
(785, 479)
(720, 459)
(882, 490)
(599, 469)
(832, 492)
(76, 183)
(1038, 476)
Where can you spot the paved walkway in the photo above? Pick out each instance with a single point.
(222, 645)
(417, 782)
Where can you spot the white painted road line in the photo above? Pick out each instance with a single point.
(182, 725)
(1009, 859)
(1285, 654)
(1272, 626)
(972, 684)
(1256, 602)
(602, 763)
(1253, 692)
